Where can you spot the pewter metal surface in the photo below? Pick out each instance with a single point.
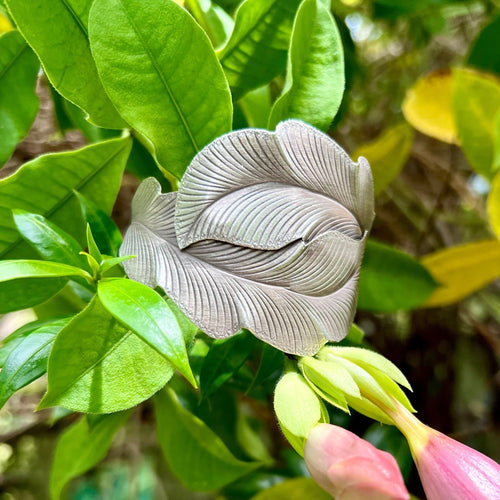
(266, 232)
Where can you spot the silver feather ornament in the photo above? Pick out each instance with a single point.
(266, 232)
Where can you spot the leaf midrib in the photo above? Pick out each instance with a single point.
(162, 78)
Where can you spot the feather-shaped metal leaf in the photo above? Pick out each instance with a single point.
(267, 233)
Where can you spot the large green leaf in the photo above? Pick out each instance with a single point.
(484, 53)
(57, 32)
(18, 99)
(81, 447)
(28, 360)
(45, 186)
(194, 453)
(99, 366)
(178, 98)
(257, 49)
(315, 73)
(143, 310)
(392, 280)
(476, 105)
(225, 358)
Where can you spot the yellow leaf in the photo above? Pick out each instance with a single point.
(476, 107)
(5, 24)
(387, 154)
(428, 106)
(462, 270)
(494, 205)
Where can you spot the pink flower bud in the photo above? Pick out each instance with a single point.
(449, 470)
(350, 468)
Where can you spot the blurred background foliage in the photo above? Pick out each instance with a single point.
(432, 134)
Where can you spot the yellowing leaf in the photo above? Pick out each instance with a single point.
(494, 205)
(462, 270)
(428, 106)
(5, 24)
(387, 154)
(476, 106)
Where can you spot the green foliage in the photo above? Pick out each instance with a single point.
(99, 366)
(144, 311)
(45, 186)
(177, 115)
(223, 360)
(18, 101)
(484, 52)
(392, 280)
(195, 454)
(315, 73)
(81, 447)
(28, 359)
(256, 52)
(63, 49)
(294, 489)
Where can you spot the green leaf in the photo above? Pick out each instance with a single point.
(28, 360)
(57, 32)
(45, 186)
(99, 366)
(462, 270)
(194, 453)
(143, 310)
(178, 99)
(387, 154)
(18, 100)
(271, 364)
(294, 489)
(104, 230)
(355, 334)
(484, 53)
(315, 74)
(476, 105)
(392, 280)
(225, 358)
(298, 409)
(256, 106)
(22, 268)
(50, 241)
(81, 447)
(94, 251)
(257, 49)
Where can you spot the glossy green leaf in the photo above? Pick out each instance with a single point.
(194, 453)
(484, 53)
(256, 106)
(28, 360)
(256, 52)
(392, 280)
(387, 154)
(294, 489)
(271, 365)
(50, 241)
(476, 105)
(225, 358)
(18, 100)
(94, 252)
(45, 185)
(99, 366)
(178, 103)
(104, 230)
(22, 268)
(297, 408)
(143, 310)
(315, 73)
(81, 447)
(57, 32)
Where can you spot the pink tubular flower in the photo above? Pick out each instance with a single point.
(449, 470)
(350, 468)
